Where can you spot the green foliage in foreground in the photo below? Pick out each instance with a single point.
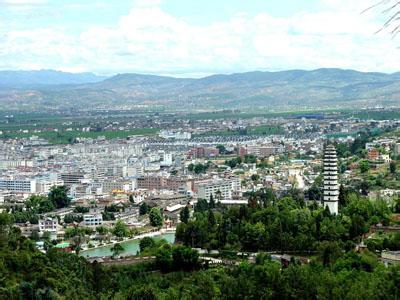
(286, 224)
(26, 273)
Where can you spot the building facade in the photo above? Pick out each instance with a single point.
(219, 187)
(18, 185)
(48, 225)
(93, 219)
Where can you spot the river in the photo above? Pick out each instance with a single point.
(131, 247)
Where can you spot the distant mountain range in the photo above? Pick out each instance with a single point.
(320, 88)
(21, 79)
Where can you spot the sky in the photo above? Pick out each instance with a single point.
(192, 38)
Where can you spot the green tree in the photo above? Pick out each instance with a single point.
(164, 258)
(201, 205)
(143, 209)
(102, 230)
(185, 214)
(108, 216)
(250, 159)
(200, 168)
(146, 243)
(211, 203)
(185, 258)
(77, 241)
(155, 217)
(6, 221)
(39, 204)
(70, 218)
(81, 210)
(35, 235)
(131, 200)
(364, 166)
(342, 196)
(121, 229)
(314, 193)
(117, 249)
(255, 177)
(221, 149)
(329, 252)
(211, 218)
(143, 293)
(59, 196)
(393, 167)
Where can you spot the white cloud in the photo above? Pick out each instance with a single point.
(22, 2)
(150, 40)
(147, 3)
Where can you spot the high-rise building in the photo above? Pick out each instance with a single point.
(331, 186)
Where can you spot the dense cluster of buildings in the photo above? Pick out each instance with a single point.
(100, 173)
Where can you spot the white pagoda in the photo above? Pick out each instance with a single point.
(331, 186)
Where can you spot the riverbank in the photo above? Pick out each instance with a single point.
(130, 243)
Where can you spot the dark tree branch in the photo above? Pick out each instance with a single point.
(391, 8)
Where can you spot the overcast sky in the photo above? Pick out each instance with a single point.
(193, 37)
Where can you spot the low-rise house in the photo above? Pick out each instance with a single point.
(172, 212)
(48, 225)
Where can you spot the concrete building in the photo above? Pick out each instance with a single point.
(48, 225)
(260, 151)
(224, 187)
(201, 152)
(373, 154)
(18, 185)
(71, 178)
(44, 186)
(177, 135)
(161, 183)
(331, 186)
(92, 219)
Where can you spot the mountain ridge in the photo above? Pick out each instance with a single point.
(32, 78)
(324, 87)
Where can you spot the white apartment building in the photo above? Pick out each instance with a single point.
(167, 159)
(168, 134)
(18, 185)
(93, 219)
(44, 186)
(133, 171)
(6, 164)
(48, 225)
(224, 186)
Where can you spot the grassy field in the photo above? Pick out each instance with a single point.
(66, 137)
(248, 115)
(13, 123)
(377, 115)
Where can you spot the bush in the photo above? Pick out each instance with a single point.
(146, 243)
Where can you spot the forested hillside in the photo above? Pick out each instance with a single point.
(336, 271)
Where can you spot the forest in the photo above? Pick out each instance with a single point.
(287, 224)
(335, 271)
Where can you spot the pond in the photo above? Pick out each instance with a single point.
(131, 247)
